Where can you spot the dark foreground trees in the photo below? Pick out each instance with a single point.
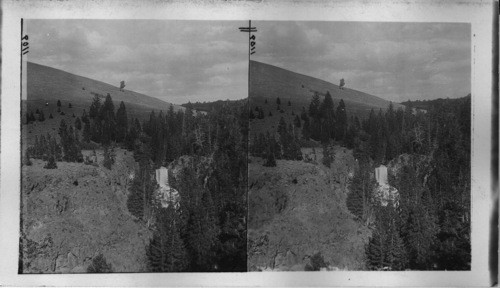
(429, 228)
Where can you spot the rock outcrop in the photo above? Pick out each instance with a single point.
(75, 212)
(298, 209)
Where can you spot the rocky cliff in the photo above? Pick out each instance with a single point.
(298, 209)
(75, 212)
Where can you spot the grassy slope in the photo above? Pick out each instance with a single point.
(46, 84)
(269, 82)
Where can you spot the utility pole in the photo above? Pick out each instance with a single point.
(251, 38)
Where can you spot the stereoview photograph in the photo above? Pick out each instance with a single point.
(134, 147)
(359, 146)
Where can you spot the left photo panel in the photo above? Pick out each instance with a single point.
(133, 146)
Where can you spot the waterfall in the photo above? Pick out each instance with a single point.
(162, 177)
(381, 175)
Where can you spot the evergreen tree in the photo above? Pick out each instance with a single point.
(166, 251)
(121, 122)
(95, 107)
(27, 160)
(314, 106)
(51, 164)
(270, 158)
(99, 265)
(278, 101)
(328, 155)
(297, 121)
(109, 157)
(41, 117)
(78, 123)
(375, 254)
(341, 121)
(58, 103)
(328, 119)
(70, 146)
(361, 188)
(251, 115)
(87, 134)
(85, 117)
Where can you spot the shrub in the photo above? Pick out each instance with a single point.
(99, 265)
(316, 263)
(109, 157)
(51, 164)
(27, 160)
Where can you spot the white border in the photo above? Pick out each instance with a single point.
(478, 13)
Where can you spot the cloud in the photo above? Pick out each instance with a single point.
(172, 60)
(180, 61)
(396, 61)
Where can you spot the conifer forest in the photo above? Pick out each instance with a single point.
(208, 232)
(303, 151)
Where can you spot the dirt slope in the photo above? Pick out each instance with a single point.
(75, 212)
(298, 209)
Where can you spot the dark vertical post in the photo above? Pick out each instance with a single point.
(249, 35)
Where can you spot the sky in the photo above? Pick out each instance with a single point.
(180, 61)
(175, 61)
(395, 61)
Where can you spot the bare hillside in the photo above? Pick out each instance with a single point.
(298, 209)
(267, 81)
(76, 212)
(47, 85)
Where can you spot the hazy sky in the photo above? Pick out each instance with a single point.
(395, 61)
(180, 61)
(176, 61)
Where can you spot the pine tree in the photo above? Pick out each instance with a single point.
(58, 103)
(328, 118)
(78, 123)
(251, 116)
(109, 157)
(27, 160)
(374, 252)
(270, 158)
(297, 121)
(341, 121)
(85, 117)
(51, 164)
(87, 134)
(99, 265)
(121, 122)
(41, 117)
(278, 101)
(95, 107)
(327, 155)
(166, 251)
(361, 188)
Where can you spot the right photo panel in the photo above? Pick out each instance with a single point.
(359, 146)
